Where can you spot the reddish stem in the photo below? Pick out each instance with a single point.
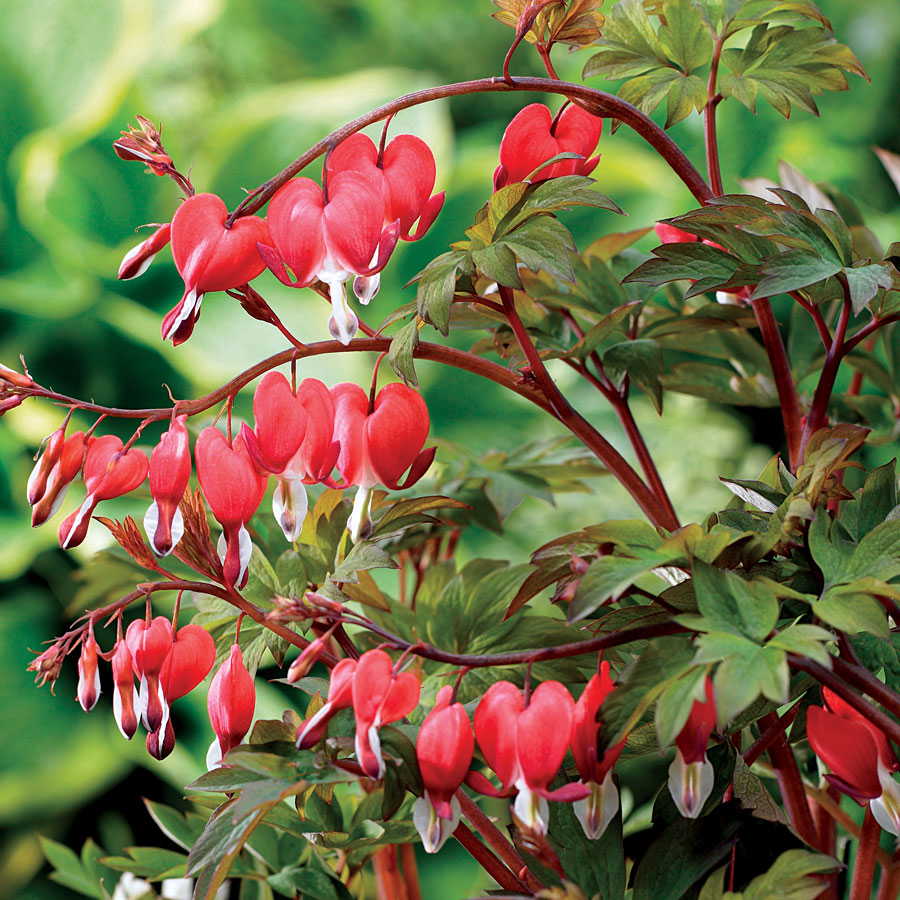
(889, 888)
(652, 505)
(784, 380)
(790, 784)
(818, 412)
(410, 871)
(488, 861)
(862, 679)
(770, 734)
(496, 840)
(388, 880)
(864, 864)
(713, 99)
(600, 103)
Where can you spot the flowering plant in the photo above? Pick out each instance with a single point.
(752, 653)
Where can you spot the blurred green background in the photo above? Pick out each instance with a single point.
(243, 86)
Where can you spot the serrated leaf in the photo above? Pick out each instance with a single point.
(865, 282)
(364, 555)
(436, 286)
(792, 270)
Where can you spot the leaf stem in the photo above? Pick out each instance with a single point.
(648, 501)
(784, 380)
(713, 99)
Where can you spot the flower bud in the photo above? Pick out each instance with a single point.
(308, 657)
(126, 700)
(88, 673)
(231, 703)
(161, 743)
(11, 376)
(340, 696)
(170, 472)
(137, 260)
(60, 475)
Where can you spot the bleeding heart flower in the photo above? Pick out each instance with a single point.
(340, 696)
(691, 775)
(233, 488)
(534, 136)
(444, 750)
(170, 472)
(525, 745)
(331, 237)
(189, 661)
(48, 483)
(380, 696)
(108, 472)
(126, 700)
(88, 672)
(231, 703)
(406, 170)
(379, 443)
(599, 808)
(210, 257)
(150, 643)
(313, 461)
(859, 757)
(279, 424)
(137, 260)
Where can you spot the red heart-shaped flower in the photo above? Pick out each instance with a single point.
(189, 661)
(209, 256)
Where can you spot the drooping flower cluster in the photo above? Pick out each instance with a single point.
(346, 228)
(166, 664)
(300, 433)
(859, 758)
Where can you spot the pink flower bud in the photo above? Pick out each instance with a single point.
(231, 703)
(340, 696)
(137, 260)
(126, 701)
(18, 379)
(60, 475)
(88, 673)
(170, 472)
(233, 489)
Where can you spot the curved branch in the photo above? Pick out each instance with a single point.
(459, 359)
(598, 102)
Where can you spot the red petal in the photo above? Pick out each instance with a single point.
(318, 452)
(371, 682)
(669, 234)
(847, 749)
(189, 661)
(444, 747)
(577, 131)
(170, 463)
(426, 217)
(353, 220)
(586, 723)
(149, 644)
(544, 730)
(350, 408)
(396, 431)
(527, 142)
(231, 701)
(402, 698)
(694, 736)
(296, 223)
(495, 729)
(409, 172)
(356, 153)
(280, 420)
(230, 482)
(209, 256)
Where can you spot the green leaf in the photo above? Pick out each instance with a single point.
(686, 41)
(792, 270)
(684, 852)
(436, 286)
(544, 243)
(498, 262)
(608, 578)
(731, 604)
(877, 498)
(877, 555)
(597, 867)
(865, 282)
(403, 347)
(675, 703)
(792, 877)
(152, 863)
(362, 557)
(852, 610)
(308, 882)
(557, 194)
(707, 267)
(68, 869)
(642, 361)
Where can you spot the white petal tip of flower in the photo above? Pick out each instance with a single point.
(690, 785)
(598, 809)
